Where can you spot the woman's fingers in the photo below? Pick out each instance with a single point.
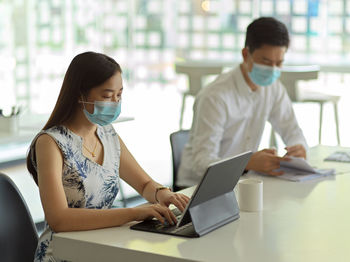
(173, 217)
(185, 197)
(179, 202)
(165, 213)
(158, 216)
(184, 200)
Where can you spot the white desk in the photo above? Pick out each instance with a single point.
(317, 154)
(307, 221)
(333, 64)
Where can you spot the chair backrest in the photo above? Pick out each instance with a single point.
(18, 236)
(196, 72)
(290, 75)
(178, 141)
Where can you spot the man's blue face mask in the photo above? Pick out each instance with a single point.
(263, 75)
(105, 112)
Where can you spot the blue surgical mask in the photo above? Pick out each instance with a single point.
(263, 75)
(105, 112)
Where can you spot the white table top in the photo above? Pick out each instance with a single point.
(337, 64)
(308, 221)
(317, 154)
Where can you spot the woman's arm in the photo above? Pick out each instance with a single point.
(132, 173)
(62, 218)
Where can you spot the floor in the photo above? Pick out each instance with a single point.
(156, 109)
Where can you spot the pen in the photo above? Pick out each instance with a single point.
(13, 110)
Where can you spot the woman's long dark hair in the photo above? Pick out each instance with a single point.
(86, 71)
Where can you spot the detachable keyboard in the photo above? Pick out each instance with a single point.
(156, 226)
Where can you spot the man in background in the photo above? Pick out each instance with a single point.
(229, 115)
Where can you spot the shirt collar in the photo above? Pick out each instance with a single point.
(242, 85)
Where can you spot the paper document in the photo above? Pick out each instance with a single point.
(339, 156)
(298, 169)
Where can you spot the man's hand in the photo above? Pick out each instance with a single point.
(296, 150)
(265, 161)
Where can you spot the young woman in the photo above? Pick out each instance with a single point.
(78, 158)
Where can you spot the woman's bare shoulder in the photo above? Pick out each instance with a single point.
(45, 141)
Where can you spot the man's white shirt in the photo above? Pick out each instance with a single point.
(229, 118)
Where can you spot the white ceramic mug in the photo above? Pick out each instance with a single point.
(250, 195)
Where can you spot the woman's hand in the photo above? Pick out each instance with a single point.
(166, 197)
(156, 210)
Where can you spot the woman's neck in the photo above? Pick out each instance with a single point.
(81, 126)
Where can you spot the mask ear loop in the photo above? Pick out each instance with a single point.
(85, 102)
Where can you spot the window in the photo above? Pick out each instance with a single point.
(39, 38)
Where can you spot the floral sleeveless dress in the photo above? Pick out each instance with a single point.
(86, 183)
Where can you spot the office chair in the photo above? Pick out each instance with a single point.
(195, 76)
(18, 236)
(178, 141)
